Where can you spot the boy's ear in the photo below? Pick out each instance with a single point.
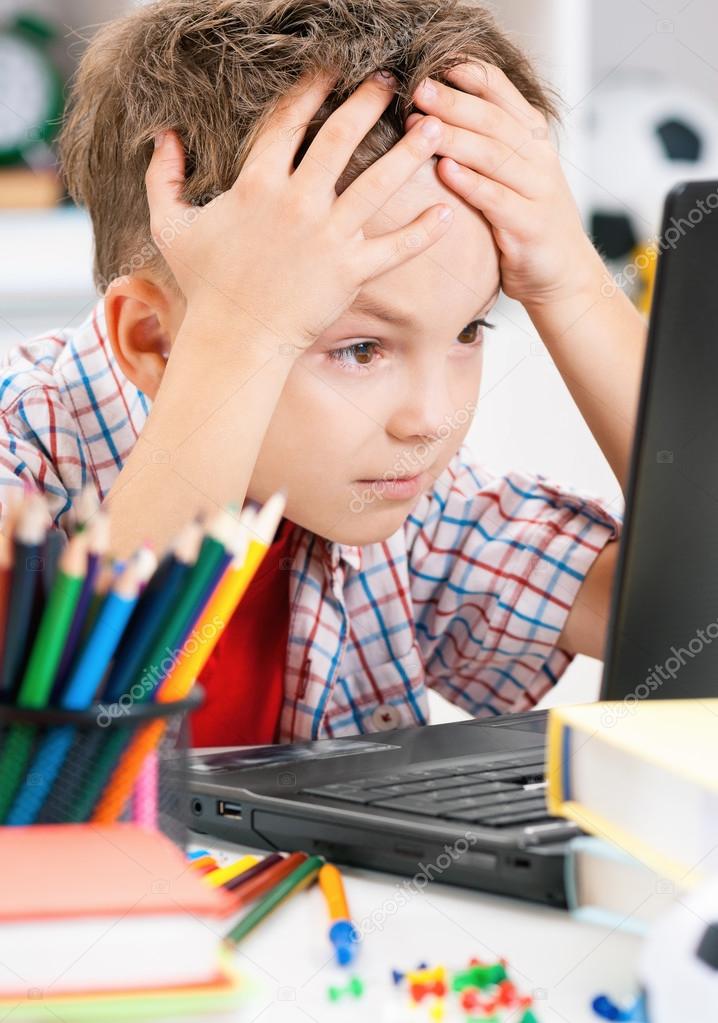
(142, 320)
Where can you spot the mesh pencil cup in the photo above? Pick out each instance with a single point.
(106, 763)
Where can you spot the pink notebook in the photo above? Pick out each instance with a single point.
(92, 907)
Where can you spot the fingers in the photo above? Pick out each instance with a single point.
(473, 113)
(487, 156)
(489, 81)
(389, 250)
(504, 208)
(385, 176)
(341, 133)
(278, 140)
(164, 179)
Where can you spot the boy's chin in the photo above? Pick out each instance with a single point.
(371, 524)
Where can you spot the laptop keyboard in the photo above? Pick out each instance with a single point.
(495, 795)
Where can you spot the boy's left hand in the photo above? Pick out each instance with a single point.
(496, 154)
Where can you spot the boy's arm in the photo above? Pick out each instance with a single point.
(497, 156)
(597, 338)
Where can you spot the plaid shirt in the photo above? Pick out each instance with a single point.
(468, 597)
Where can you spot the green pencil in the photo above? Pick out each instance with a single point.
(42, 664)
(300, 878)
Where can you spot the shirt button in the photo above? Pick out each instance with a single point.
(385, 717)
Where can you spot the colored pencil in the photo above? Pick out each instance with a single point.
(27, 559)
(145, 797)
(5, 584)
(73, 787)
(303, 876)
(152, 611)
(55, 543)
(217, 614)
(81, 686)
(42, 664)
(98, 534)
(248, 875)
(85, 508)
(216, 878)
(104, 634)
(222, 533)
(225, 600)
(257, 887)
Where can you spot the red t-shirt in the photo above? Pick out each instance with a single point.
(243, 679)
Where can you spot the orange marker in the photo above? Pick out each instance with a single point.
(342, 933)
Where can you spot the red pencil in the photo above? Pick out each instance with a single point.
(268, 879)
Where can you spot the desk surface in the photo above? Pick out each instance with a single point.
(289, 965)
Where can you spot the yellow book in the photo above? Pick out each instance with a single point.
(643, 776)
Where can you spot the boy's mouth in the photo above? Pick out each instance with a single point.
(399, 488)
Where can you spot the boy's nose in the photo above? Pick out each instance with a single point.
(422, 409)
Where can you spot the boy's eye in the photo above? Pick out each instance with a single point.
(473, 332)
(361, 353)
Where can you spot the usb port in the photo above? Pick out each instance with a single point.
(233, 810)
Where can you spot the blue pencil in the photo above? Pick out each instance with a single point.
(151, 613)
(82, 684)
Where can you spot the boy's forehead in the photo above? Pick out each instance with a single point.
(462, 266)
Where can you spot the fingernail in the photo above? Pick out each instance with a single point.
(446, 213)
(428, 88)
(385, 78)
(159, 139)
(431, 128)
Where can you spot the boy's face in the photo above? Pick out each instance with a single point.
(349, 424)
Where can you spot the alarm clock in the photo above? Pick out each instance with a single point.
(31, 88)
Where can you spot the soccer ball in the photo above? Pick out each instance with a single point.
(646, 134)
(679, 960)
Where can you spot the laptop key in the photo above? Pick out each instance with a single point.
(483, 806)
(482, 809)
(430, 772)
(378, 781)
(409, 804)
(361, 796)
(517, 815)
(474, 791)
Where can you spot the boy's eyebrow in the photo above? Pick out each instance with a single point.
(377, 309)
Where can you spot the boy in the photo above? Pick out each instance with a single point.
(293, 311)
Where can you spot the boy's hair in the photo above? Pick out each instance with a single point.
(214, 70)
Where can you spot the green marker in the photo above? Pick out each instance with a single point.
(300, 878)
(37, 681)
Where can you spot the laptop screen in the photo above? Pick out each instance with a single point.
(663, 636)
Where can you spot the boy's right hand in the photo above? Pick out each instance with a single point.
(280, 247)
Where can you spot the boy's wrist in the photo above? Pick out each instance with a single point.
(589, 281)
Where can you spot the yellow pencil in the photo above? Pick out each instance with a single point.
(218, 612)
(221, 875)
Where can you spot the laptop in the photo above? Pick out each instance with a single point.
(465, 802)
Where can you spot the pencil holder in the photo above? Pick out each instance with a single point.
(106, 763)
